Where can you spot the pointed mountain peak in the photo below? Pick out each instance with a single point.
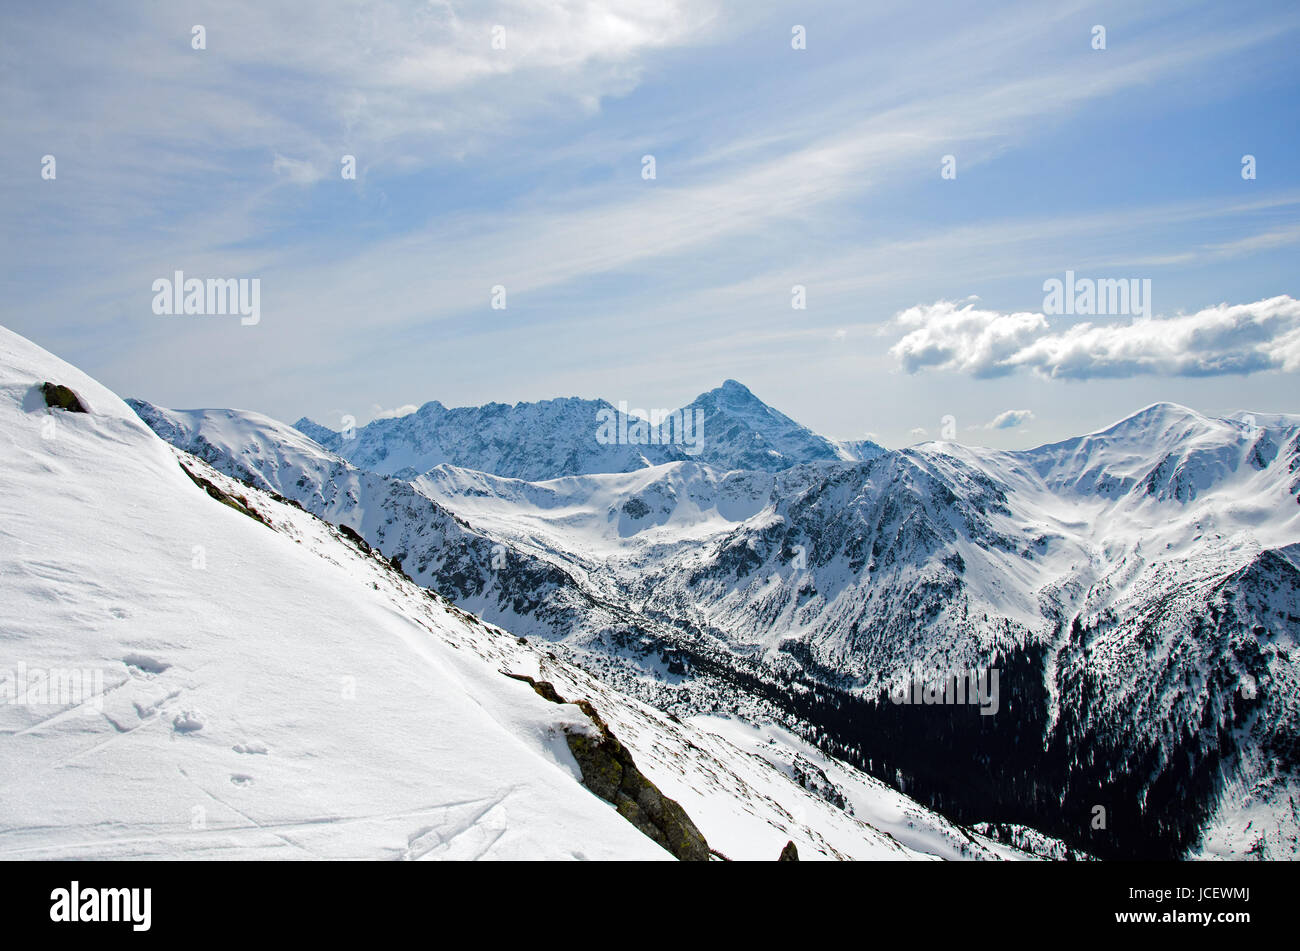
(731, 394)
(321, 435)
(305, 421)
(431, 408)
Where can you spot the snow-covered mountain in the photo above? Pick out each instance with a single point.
(512, 587)
(727, 428)
(1142, 580)
(525, 441)
(192, 665)
(1137, 588)
(743, 432)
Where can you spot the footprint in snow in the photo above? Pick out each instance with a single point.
(146, 664)
(188, 721)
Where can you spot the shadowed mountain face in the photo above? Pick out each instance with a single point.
(728, 428)
(1136, 586)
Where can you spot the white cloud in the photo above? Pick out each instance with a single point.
(381, 413)
(949, 336)
(1224, 339)
(1010, 419)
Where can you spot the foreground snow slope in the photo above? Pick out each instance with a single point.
(270, 703)
(272, 690)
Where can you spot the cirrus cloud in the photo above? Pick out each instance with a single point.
(1219, 340)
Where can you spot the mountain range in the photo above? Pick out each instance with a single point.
(1136, 587)
(562, 437)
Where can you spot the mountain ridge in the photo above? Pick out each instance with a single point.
(737, 431)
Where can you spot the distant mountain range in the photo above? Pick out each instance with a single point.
(563, 437)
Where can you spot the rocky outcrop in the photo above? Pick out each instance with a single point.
(237, 502)
(58, 396)
(609, 771)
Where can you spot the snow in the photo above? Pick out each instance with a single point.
(911, 826)
(593, 514)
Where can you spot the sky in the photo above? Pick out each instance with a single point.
(920, 171)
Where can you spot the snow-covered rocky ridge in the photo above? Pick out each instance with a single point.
(1137, 587)
(262, 685)
(563, 437)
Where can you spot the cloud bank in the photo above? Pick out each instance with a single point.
(1220, 340)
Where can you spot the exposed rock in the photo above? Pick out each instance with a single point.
(545, 689)
(351, 535)
(789, 853)
(58, 396)
(236, 502)
(609, 771)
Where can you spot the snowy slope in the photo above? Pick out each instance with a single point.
(604, 515)
(228, 725)
(271, 689)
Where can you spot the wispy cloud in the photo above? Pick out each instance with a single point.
(296, 170)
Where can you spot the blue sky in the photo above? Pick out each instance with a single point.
(522, 167)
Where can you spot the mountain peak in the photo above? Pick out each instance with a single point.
(1164, 409)
(322, 435)
(1154, 418)
(304, 421)
(731, 393)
